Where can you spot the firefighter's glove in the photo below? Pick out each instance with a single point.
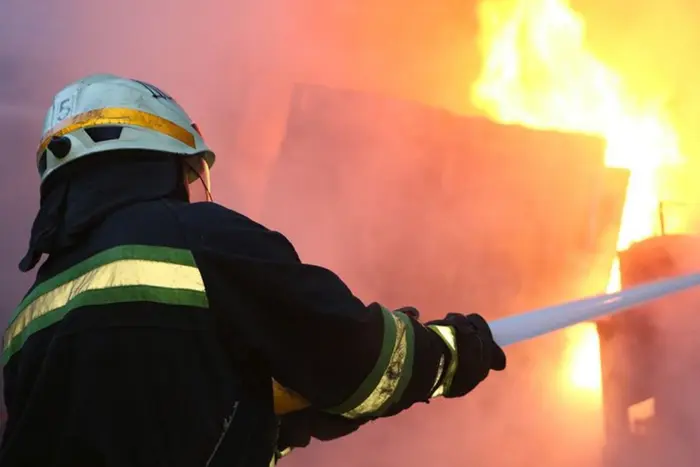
(472, 354)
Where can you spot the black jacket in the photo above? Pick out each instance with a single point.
(161, 329)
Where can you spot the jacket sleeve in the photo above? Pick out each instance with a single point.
(319, 340)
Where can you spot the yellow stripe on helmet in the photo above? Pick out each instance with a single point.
(118, 116)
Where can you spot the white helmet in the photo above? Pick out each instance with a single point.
(143, 116)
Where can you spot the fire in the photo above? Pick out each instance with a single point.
(538, 72)
(584, 370)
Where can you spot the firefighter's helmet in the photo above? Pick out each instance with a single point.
(103, 112)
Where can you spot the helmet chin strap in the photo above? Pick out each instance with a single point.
(192, 177)
(206, 194)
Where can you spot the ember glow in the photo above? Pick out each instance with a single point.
(538, 72)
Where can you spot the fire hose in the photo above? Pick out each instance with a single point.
(518, 328)
(535, 323)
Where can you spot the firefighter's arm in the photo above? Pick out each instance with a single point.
(362, 364)
(288, 401)
(320, 342)
(392, 359)
(472, 354)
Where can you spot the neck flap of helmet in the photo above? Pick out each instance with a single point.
(80, 195)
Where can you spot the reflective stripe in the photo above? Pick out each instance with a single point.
(122, 274)
(449, 337)
(437, 387)
(390, 375)
(279, 455)
(118, 116)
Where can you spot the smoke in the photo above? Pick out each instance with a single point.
(233, 66)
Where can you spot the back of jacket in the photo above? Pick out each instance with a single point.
(115, 356)
(155, 341)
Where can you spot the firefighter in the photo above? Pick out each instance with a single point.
(166, 330)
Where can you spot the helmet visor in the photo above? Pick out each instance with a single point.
(197, 179)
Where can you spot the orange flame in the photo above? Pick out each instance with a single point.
(538, 72)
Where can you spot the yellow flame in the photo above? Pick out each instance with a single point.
(538, 72)
(584, 370)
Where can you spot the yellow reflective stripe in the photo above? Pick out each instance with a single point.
(118, 116)
(438, 376)
(120, 273)
(447, 334)
(279, 455)
(145, 252)
(388, 384)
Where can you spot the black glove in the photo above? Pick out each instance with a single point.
(477, 353)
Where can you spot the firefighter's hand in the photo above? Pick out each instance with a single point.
(298, 428)
(476, 353)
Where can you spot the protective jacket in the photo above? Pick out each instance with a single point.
(155, 327)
